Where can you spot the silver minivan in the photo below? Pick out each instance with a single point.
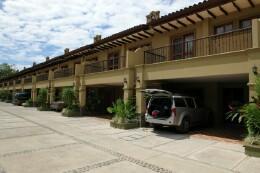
(166, 109)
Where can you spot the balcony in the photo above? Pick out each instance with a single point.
(106, 65)
(42, 77)
(28, 80)
(232, 41)
(67, 72)
(18, 81)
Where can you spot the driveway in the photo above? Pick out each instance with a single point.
(45, 142)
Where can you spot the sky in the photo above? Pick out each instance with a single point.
(30, 30)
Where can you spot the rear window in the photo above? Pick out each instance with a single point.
(190, 102)
(179, 102)
(161, 101)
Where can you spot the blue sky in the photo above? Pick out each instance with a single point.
(30, 30)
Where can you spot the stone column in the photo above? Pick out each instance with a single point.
(140, 100)
(129, 84)
(51, 89)
(82, 99)
(256, 33)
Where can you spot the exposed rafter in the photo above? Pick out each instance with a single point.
(172, 25)
(126, 40)
(118, 44)
(211, 14)
(129, 38)
(236, 6)
(140, 38)
(199, 16)
(142, 35)
(181, 23)
(251, 3)
(121, 42)
(163, 27)
(223, 10)
(112, 44)
(190, 20)
(157, 30)
(148, 33)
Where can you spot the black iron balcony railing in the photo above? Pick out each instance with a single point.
(42, 77)
(28, 80)
(232, 41)
(106, 65)
(66, 72)
(18, 81)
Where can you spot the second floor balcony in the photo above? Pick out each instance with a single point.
(66, 72)
(216, 44)
(28, 80)
(42, 77)
(106, 65)
(18, 81)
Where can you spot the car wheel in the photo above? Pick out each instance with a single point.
(185, 125)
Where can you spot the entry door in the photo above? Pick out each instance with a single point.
(113, 61)
(183, 47)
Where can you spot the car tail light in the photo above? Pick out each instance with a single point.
(174, 111)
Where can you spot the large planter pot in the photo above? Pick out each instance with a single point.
(70, 113)
(126, 125)
(252, 150)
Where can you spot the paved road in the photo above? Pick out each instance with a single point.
(45, 142)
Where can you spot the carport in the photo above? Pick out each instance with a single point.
(215, 92)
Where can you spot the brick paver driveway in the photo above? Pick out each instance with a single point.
(45, 142)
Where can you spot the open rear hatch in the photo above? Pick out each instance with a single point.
(160, 103)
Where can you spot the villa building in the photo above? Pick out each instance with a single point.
(210, 50)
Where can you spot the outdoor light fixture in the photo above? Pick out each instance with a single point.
(255, 70)
(138, 79)
(125, 80)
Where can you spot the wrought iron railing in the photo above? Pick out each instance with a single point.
(106, 65)
(42, 77)
(27, 80)
(18, 81)
(66, 72)
(231, 41)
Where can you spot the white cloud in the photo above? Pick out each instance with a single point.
(33, 29)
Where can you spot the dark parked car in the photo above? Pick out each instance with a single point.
(20, 98)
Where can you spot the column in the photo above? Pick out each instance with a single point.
(82, 99)
(129, 84)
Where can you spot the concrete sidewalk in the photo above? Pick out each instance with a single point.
(40, 142)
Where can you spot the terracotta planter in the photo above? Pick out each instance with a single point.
(252, 150)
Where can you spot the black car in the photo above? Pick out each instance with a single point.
(20, 98)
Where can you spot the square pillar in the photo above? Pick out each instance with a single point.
(82, 99)
(256, 33)
(129, 84)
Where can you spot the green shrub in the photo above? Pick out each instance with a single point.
(123, 111)
(69, 98)
(28, 103)
(42, 98)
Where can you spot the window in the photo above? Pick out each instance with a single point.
(247, 23)
(179, 102)
(223, 28)
(113, 61)
(190, 102)
(183, 47)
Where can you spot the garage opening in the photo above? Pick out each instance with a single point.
(218, 94)
(101, 97)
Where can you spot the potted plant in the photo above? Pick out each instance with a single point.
(42, 100)
(28, 103)
(69, 99)
(124, 115)
(250, 115)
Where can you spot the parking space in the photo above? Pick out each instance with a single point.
(33, 141)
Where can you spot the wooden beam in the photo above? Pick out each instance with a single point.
(211, 14)
(118, 44)
(163, 27)
(129, 38)
(121, 42)
(157, 30)
(181, 23)
(126, 40)
(148, 33)
(139, 38)
(199, 16)
(172, 25)
(251, 3)
(190, 20)
(236, 6)
(142, 35)
(112, 44)
(223, 10)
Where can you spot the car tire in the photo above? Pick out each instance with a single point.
(185, 126)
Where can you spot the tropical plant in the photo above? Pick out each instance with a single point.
(123, 111)
(249, 114)
(69, 98)
(42, 98)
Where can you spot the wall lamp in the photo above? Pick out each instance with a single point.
(255, 70)
(138, 79)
